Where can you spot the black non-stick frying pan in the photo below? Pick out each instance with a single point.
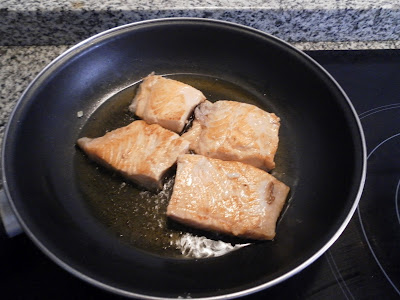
(47, 180)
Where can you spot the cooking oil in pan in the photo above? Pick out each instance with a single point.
(137, 216)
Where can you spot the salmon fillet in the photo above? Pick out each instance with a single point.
(166, 102)
(237, 131)
(140, 152)
(226, 196)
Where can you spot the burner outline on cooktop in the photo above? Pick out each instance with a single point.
(338, 276)
(397, 201)
(362, 116)
(378, 109)
(329, 257)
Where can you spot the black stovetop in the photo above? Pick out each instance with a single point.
(364, 263)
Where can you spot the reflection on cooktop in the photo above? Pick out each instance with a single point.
(364, 263)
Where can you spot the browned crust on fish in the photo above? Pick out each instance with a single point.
(140, 152)
(226, 196)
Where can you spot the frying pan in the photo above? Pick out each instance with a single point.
(321, 155)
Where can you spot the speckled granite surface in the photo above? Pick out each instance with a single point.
(56, 22)
(18, 67)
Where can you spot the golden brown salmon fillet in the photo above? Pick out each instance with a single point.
(237, 131)
(140, 152)
(166, 102)
(226, 196)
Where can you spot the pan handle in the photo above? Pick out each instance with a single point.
(7, 216)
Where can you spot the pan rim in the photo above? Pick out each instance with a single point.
(108, 33)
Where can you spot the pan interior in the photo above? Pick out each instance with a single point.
(320, 155)
(138, 217)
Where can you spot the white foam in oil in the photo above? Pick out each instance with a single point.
(202, 247)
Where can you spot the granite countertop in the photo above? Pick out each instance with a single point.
(60, 22)
(34, 32)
